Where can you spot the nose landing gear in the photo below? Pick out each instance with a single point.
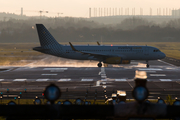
(99, 64)
(147, 64)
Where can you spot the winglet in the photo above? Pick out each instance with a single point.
(72, 46)
(98, 43)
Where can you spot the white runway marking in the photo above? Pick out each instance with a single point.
(157, 75)
(1, 79)
(55, 69)
(86, 79)
(103, 76)
(48, 74)
(103, 79)
(98, 83)
(167, 63)
(62, 80)
(120, 80)
(103, 83)
(42, 79)
(165, 79)
(153, 69)
(19, 79)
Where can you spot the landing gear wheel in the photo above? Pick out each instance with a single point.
(99, 64)
(147, 65)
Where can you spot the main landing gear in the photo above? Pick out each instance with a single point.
(99, 64)
(147, 64)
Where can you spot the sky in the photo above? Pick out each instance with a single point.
(80, 8)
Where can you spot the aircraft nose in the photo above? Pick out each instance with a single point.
(163, 55)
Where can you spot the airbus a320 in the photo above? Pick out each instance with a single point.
(103, 54)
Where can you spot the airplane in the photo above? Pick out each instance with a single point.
(122, 54)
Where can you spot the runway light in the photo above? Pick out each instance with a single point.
(52, 93)
(147, 101)
(160, 101)
(176, 98)
(37, 101)
(114, 95)
(11, 103)
(67, 102)
(113, 102)
(89, 103)
(59, 102)
(48, 103)
(176, 103)
(86, 103)
(140, 93)
(140, 74)
(121, 95)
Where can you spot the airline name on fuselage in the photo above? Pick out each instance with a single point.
(130, 48)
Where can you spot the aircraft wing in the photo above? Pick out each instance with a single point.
(95, 54)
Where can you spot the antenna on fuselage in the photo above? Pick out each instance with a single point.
(98, 43)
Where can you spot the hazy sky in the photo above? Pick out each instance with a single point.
(79, 8)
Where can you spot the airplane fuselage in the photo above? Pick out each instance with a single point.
(125, 52)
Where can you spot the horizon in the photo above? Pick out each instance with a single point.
(79, 8)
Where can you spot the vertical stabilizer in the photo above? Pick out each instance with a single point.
(45, 38)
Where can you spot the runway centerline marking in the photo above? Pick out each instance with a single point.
(55, 69)
(165, 79)
(48, 74)
(1, 79)
(150, 69)
(86, 79)
(120, 80)
(42, 79)
(19, 79)
(62, 80)
(157, 75)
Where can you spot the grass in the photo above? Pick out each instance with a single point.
(12, 54)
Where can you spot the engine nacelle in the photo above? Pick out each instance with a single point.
(116, 60)
(125, 62)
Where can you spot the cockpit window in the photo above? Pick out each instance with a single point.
(156, 50)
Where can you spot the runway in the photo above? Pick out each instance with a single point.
(163, 78)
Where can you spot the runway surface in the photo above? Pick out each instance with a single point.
(76, 77)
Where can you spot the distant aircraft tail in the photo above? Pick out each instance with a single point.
(45, 38)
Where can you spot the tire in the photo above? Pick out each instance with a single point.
(99, 64)
(147, 66)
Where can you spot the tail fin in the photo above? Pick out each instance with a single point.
(45, 38)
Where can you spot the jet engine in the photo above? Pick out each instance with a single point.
(116, 60)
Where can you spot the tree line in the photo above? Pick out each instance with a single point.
(83, 30)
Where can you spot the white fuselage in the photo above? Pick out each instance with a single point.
(125, 52)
